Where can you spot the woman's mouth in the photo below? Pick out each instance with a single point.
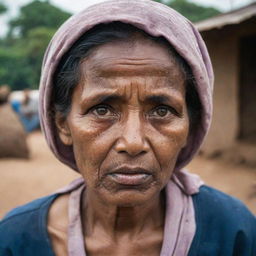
(130, 179)
(130, 176)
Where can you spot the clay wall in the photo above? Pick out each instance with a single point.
(224, 49)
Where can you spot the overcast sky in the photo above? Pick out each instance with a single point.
(74, 6)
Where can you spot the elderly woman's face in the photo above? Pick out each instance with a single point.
(128, 120)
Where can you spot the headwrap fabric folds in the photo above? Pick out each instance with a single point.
(155, 19)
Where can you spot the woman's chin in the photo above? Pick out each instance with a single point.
(128, 196)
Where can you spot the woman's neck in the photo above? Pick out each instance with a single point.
(97, 216)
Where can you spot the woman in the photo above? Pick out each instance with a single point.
(125, 98)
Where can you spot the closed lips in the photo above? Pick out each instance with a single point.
(130, 171)
(130, 176)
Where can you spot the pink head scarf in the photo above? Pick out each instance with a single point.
(156, 20)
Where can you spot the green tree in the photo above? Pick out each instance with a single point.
(3, 8)
(22, 50)
(38, 14)
(193, 12)
(14, 69)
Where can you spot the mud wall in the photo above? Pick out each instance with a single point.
(223, 45)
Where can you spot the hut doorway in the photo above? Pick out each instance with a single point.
(247, 91)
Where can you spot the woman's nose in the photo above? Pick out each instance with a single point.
(132, 140)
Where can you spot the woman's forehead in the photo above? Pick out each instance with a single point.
(108, 72)
(137, 47)
(142, 58)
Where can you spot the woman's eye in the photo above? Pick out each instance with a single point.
(101, 111)
(162, 111)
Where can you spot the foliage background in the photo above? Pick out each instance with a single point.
(23, 47)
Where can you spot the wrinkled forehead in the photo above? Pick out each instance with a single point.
(119, 67)
(135, 57)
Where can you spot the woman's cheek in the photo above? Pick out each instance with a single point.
(169, 140)
(92, 142)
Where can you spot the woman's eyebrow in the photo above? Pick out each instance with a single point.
(165, 99)
(103, 97)
(158, 99)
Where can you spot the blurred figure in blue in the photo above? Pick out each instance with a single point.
(27, 110)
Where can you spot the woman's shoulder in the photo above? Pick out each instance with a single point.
(30, 228)
(225, 205)
(25, 227)
(35, 205)
(224, 225)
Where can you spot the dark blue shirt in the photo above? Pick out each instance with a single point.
(224, 227)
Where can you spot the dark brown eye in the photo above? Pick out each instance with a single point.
(162, 111)
(101, 110)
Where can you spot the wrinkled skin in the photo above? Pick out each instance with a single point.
(127, 124)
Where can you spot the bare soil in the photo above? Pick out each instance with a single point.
(24, 180)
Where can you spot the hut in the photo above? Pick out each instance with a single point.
(231, 41)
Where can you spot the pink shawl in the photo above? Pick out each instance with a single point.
(179, 228)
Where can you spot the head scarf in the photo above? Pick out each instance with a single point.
(156, 20)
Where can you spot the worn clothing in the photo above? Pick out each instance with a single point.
(224, 227)
(179, 220)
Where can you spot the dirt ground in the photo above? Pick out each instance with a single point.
(24, 180)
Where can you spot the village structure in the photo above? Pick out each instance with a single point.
(231, 41)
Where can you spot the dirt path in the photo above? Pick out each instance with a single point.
(238, 181)
(24, 180)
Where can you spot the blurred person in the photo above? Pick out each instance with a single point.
(27, 110)
(126, 100)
